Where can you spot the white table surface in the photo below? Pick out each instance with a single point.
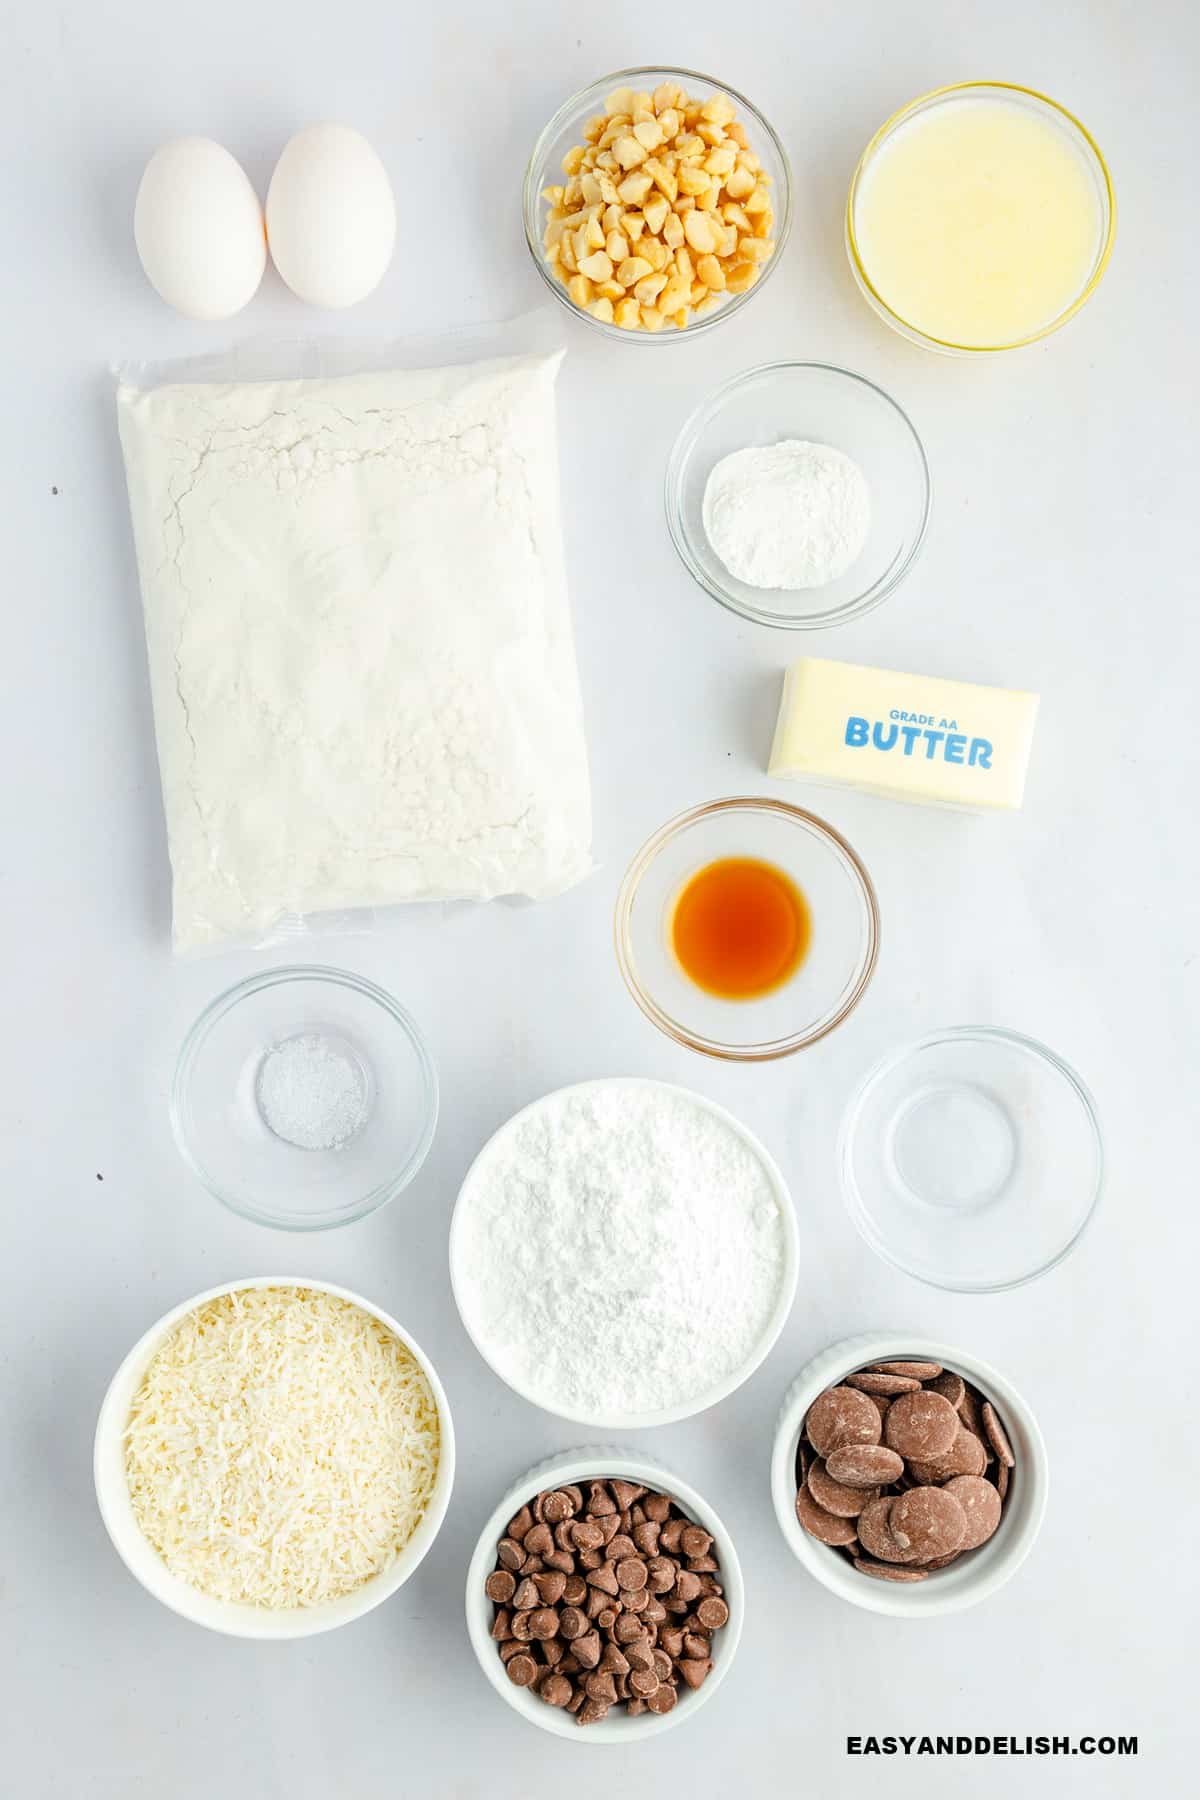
(1061, 558)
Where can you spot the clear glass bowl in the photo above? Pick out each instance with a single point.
(825, 405)
(1045, 108)
(829, 982)
(972, 1159)
(544, 169)
(221, 1130)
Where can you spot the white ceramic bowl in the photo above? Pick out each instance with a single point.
(634, 1421)
(578, 1465)
(975, 1575)
(143, 1561)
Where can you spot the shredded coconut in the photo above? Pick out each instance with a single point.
(311, 1092)
(619, 1251)
(360, 646)
(787, 515)
(282, 1447)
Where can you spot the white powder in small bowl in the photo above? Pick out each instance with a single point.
(619, 1249)
(787, 515)
(311, 1092)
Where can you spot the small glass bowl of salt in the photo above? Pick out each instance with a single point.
(304, 1098)
(798, 495)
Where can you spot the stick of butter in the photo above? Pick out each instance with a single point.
(909, 737)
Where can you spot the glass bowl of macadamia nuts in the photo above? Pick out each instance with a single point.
(657, 202)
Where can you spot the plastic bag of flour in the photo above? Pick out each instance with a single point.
(364, 680)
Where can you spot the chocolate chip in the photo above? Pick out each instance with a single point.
(510, 1553)
(996, 1435)
(543, 1623)
(555, 1690)
(949, 1385)
(713, 1613)
(916, 1371)
(625, 1493)
(587, 1649)
(875, 1534)
(502, 1626)
(526, 1595)
(966, 1456)
(887, 1571)
(600, 1501)
(819, 1523)
(523, 1522)
(841, 1415)
(521, 1669)
(571, 1623)
(863, 1466)
(843, 1502)
(871, 1383)
(662, 1699)
(500, 1586)
(694, 1541)
(631, 1574)
(981, 1506)
(539, 1541)
(921, 1424)
(693, 1671)
(557, 1506)
(927, 1522)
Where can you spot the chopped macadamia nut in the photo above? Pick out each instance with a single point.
(663, 212)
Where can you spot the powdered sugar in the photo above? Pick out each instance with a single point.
(619, 1249)
(787, 515)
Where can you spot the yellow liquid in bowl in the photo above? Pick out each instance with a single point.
(978, 221)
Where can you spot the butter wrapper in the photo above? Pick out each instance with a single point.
(907, 737)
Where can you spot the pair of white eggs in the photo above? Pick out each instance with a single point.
(330, 222)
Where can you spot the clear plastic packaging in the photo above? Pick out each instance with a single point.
(360, 648)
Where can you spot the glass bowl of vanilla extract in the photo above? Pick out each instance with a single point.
(747, 929)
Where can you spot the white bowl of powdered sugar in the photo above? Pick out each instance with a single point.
(623, 1253)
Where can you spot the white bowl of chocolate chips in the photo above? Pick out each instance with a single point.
(622, 1615)
(908, 1476)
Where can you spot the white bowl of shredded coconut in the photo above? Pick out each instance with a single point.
(274, 1458)
(623, 1253)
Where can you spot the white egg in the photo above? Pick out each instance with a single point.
(331, 218)
(198, 226)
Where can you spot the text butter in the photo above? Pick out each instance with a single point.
(910, 737)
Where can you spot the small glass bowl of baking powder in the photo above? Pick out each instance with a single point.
(813, 405)
(304, 1098)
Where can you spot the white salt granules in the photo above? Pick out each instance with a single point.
(618, 1250)
(311, 1092)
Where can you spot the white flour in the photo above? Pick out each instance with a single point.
(360, 646)
(619, 1251)
(787, 515)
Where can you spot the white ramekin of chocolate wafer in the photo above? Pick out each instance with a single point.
(700, 1632)
(919, 1483)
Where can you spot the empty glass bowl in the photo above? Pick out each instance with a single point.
(829, 982)
(972, 1159)
(304, 1098)
(820, 404)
